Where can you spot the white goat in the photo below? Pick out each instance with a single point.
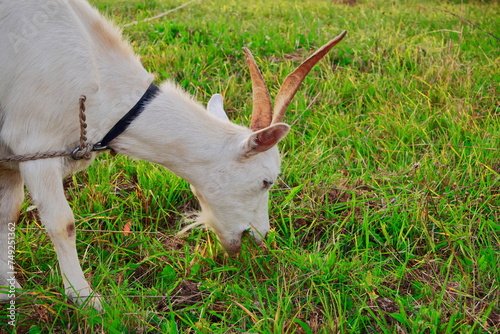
(54, 51)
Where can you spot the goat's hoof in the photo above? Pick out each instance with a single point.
(91, 299)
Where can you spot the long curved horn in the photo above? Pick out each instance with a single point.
(293, 80)
(262, 110)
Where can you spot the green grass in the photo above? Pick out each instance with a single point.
(386, 216)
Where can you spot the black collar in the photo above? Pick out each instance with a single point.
(125, 121)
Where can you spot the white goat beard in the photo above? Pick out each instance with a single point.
(194, 219)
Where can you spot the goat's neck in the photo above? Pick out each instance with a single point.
(178, 133)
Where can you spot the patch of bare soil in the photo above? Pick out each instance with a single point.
(186, 293)
(345, 2)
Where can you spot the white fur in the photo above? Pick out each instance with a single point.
(56, 50)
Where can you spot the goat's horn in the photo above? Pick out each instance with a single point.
(293, 80)
(262, 110)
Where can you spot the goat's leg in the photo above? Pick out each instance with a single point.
(11, 198)
(44, 181)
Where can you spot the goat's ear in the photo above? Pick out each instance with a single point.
(216, 107)
(262, 140)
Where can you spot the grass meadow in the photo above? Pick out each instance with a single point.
(385, 218)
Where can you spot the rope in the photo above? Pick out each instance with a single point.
(83, 151)
(83, 124)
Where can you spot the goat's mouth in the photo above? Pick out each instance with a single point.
(249, 236)
(230, 241)
(233, 246)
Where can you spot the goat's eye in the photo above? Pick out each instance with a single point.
(266, 184)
